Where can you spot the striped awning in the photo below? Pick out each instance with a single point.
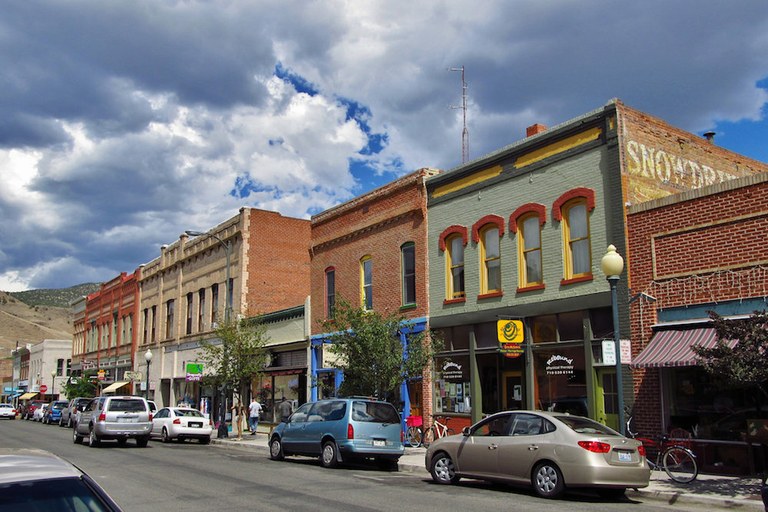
(672, 347)
(115, 386)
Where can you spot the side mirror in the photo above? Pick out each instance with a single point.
(465, 431)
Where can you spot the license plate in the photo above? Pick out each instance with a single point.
(196, 424)
(625, 456)
(126, 420)
(379, 442)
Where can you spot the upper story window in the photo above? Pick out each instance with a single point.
(214, 303)
(201, 309)
(572, 208)
(154, 323)
(490, 258)
(452, 242)
(190, 306)
(408, 273)
(578, 258)
(145, 336)
(169, 313)
(366, 282)
(529, 251)
(330, 291)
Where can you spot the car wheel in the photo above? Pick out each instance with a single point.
(276, 449)
(547, 480)
(61, 423)
(93, 439)
(328, 456)
(205, 440)
(142, 442)
(443, 470)
(164, 436)
(76, 438)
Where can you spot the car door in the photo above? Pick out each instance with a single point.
(478, 453)
(159, 421)
(293, 435)
(521, 448)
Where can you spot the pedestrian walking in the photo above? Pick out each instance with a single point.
(254, 411)
(285, 409)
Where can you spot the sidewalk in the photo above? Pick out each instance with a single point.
(709, 490)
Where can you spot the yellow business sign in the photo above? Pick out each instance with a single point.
(511, 336)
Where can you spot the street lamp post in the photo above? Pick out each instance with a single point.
(148, 359)
(53, 383)
(612, 265)
(222, 432)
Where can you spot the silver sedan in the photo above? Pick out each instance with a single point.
(548, 451)
(181, 423)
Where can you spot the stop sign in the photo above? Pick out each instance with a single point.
(43, 388)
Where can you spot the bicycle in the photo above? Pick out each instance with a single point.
(413, 433)
(437, 430)
(676, 459)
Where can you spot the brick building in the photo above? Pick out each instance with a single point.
(699, 251)
(184, 296)
(516, 238)
(372, 251)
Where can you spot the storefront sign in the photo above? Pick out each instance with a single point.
(559, 365)
(511, 336)
(452, 371)
(194, 372)
(609, 352)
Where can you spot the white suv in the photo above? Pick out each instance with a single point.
(114, 417)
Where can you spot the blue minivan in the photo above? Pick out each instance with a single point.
(341, 429)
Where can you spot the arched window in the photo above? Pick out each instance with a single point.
(408, 273)
(366, 282)
(576, 243)
(454, 264)
(529, 251)
(490, 260)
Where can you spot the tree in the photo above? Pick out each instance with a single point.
(233, 357)
(741, 364)
(371, 354)
(83, 386)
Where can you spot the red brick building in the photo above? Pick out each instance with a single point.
(703, 250)
(372, 251)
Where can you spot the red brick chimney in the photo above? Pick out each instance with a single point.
(534, 129)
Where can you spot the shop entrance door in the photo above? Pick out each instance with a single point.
(607, 398)
(513, 395)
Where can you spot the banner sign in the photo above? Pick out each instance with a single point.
(511, 336)
(194, 372)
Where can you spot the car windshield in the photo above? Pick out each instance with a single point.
(58, 494)
(188, 412)
(127, 405)
(586, 426)
(374, 412)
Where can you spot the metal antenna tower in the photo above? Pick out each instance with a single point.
(463, 107)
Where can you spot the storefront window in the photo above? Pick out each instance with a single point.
(560, 378)
(544, 328)
(452, 388)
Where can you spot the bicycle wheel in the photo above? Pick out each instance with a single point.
(413, 436)
(680, 464)
(429, 435)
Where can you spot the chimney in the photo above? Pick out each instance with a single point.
(534, 129)
(710, 136)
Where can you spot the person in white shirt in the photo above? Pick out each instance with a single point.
(254, 411)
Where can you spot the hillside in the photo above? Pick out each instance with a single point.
(35, 321)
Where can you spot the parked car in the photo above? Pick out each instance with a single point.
(548, 451)
(30, 407)
(114, 418)
(70, 412)
(38, 480)
(53, 413)
(7, 411)
(338, 430)
(152, 406)
(39, 412)
(181, 423)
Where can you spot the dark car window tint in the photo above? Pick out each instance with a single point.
(374, 412)
(495, 426)
(120, 405)
(58, 494)
(586, 426)
(189, 412)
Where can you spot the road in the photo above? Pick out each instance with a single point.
(191, 477)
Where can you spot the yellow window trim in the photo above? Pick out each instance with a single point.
(567, 253)
(523, 281)
(484, 259)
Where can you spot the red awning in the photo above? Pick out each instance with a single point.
(672, 347)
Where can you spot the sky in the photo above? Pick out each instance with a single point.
(125, 123)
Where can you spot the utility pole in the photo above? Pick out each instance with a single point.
(463, 107)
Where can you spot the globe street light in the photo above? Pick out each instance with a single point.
(612, 265)
(222, 432)
(148, 359)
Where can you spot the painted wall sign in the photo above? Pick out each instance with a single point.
(559, 365)
(452, 371)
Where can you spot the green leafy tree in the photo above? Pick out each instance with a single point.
(370, 353)
(235, 355)
(739, 365)
(84, 386)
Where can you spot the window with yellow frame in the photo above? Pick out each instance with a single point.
(576, 244)
(490, 260)
(454, 265)
(529, 251)
(366, 283)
